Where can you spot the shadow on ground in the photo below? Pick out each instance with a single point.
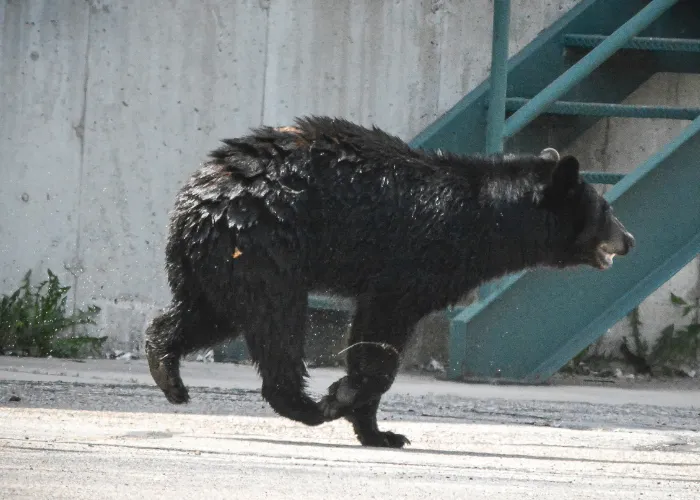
(404, 407)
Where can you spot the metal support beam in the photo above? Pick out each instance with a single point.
(499, 77)
(496, 116)
(586, 65)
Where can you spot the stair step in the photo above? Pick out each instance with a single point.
(601, 177)
(606, 109)
(638, 42)
(330, 303)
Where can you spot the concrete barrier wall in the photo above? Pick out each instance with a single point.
(107, 106)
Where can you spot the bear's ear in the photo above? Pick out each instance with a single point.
(550, 154)
(566, 174)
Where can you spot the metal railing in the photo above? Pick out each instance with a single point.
(498, 128)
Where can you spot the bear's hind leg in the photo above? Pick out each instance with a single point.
(379, 334)
(164, 357)
(180, 330)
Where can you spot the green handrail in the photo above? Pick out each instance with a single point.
(586, 65)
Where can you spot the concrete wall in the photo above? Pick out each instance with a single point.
(108, 105)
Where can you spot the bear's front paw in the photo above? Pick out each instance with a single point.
(385, 439)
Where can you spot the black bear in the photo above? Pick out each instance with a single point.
(327, 204)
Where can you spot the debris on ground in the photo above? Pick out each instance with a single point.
(640, 365)
(123, 355)
(207, 357)
(680, 372)
(434, 366)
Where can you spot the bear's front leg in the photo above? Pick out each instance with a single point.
(379, 333)
(364, 423)
(359, 406)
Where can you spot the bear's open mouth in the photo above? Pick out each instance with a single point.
(603, 257)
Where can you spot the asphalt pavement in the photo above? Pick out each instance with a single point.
(101, 429)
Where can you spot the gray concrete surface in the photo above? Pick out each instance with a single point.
(85, 455)
(100, 429)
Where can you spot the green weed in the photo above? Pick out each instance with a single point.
(32, 320)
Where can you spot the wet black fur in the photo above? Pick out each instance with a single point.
(331, 205)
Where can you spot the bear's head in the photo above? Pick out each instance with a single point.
(586, 230)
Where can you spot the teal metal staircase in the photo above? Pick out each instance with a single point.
(527, 326)
(579, 70)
